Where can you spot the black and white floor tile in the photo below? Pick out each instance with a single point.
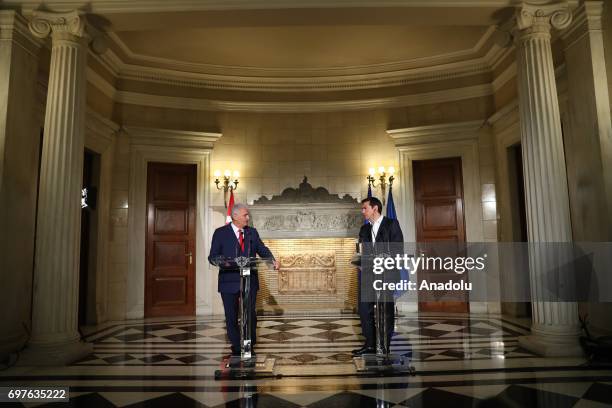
(460, 361)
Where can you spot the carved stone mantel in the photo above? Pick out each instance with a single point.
(306, 212)
(315, 273)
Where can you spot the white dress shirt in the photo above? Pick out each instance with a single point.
(376, 226)
(237, 231)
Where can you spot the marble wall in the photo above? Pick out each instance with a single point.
(275, 151)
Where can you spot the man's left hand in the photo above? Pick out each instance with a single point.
(276, 265)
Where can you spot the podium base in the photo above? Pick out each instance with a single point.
(383, 364)
(237, 368)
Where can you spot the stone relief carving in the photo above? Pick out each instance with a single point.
(310, 221)
(306, 212)
(305, 194)
(306, 260)
(307, 273)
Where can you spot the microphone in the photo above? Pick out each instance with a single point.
(247, 232)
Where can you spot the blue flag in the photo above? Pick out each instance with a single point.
(391, 205)
(391, 214)
(369, 196)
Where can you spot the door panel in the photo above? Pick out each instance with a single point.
(170, 257)
(439, 214)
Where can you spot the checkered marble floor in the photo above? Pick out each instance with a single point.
(460, 361)
(304, 341)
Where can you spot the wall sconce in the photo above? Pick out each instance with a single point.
(383, 180)
(226, 184)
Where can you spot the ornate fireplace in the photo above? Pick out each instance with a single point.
(312, 233)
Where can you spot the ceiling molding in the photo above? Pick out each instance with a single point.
(170, 102)
(179, 73)
(304, 84)
(100, 125)
(103, 86)
(143, 136)
(503, 78)
(135, 6)
(465, 55)
(99, 131)
(436, 133)
(505, 116)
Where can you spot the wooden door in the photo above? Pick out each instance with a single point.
(439, 208)
(170, 246)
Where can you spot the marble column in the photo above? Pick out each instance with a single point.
(19, 150)
(554, 330)
(55, 337)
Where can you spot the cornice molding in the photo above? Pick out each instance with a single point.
(445, 132)
(502, 79)
(181, 139)
(100, 131)
(100, 125)
(103, 86)
(505, 116)
(303, 84)
(435, 68)
(148, 6)
(198, 104)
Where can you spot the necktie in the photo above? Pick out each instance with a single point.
(241, 240)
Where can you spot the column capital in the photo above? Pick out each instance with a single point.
(69, 26)
(539, 18)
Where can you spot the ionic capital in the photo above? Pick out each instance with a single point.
(68, 26)
(534, 19)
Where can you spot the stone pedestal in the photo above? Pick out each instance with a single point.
(555, 327)
(55, 337)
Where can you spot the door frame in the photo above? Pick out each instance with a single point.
(438, 142)
(167, 146)
(100, 135)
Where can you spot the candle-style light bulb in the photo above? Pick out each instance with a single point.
(217, 173)
(381, 169)
(371, 171)
(236, 174)
(391, 170)
(227, 173)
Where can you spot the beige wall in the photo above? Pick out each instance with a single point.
(118, 233)
(275, 151)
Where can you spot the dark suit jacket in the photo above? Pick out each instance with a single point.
(388, 232)
(225, 243)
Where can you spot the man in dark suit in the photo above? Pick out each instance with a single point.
(229, 242)
(372, 235)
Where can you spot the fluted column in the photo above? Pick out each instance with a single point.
(55, 337)
(554, 327)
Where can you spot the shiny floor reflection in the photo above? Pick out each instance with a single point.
(460, 361)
